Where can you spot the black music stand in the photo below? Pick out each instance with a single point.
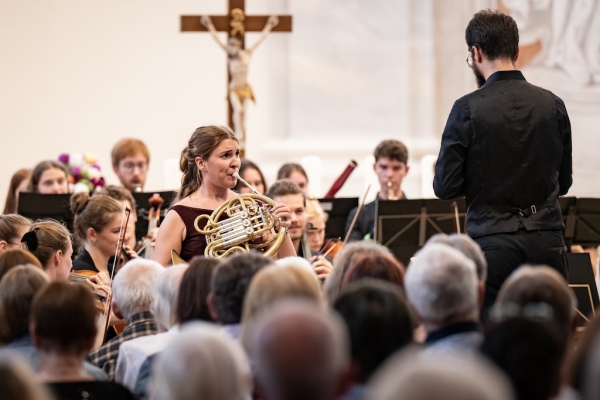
(404, 226)
(583, 284)
(42, 206)
(338, 209)
(582, 224)
(142, 208)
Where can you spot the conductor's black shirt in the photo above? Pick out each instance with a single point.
(507, 148)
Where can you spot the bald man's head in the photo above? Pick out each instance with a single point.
(299, 352)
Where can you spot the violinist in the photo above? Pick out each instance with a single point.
(288, 193)
(50, 243)
(126, 199)
(315, 231)
(391, 158)
(208, 164)
(12, 229)
(97, 225)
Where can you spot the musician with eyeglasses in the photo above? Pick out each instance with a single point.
(210, 164)
(130, 161)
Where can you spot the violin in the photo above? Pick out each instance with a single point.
(145, 244)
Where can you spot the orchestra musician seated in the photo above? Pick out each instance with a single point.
(125, 198)
(12, 229)
(208, 164)
(391, 159)
(18, 183)
(288, 193)
(62, 346)
(295, 173)
(97, 226)
(49, 177)
(130, 160)
(251, 174)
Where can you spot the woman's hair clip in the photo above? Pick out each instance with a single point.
(31, 239)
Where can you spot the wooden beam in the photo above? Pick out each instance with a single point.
(191, 23)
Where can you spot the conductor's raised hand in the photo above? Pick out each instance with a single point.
(283, 214)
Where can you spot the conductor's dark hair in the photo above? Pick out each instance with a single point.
(230, 282)
(530, 353)
(378, 320)
(495, 34)
(203, 142)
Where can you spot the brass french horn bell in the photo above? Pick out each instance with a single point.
(249, 218)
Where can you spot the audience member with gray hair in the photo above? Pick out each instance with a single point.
(541, 284)
(299, 351)
(411, 375)
(132, 297)
(441, 284)
(350, 254)
(467, 246)
(133, 353)
(203, 363)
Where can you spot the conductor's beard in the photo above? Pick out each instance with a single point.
(479, 78)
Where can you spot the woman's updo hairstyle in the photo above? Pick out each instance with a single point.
(45, 238)
(92, 212)
(203, 142)
(39, 170)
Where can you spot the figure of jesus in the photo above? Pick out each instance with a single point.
(238, 59)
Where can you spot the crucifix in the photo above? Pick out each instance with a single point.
(236, 24)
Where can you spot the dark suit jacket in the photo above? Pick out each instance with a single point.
(507, 149)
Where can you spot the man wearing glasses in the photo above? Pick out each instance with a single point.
(507, 148)
(130, 160)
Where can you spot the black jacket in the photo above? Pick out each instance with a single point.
(507, 149)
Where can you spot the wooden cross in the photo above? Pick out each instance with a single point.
(236, 24)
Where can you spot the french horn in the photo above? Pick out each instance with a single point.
(249, 218)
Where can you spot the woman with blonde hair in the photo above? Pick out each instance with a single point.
(275, 283)
(208, 164)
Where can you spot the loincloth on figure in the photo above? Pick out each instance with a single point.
(244, 92)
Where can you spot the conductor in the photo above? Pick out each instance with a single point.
(507, 148)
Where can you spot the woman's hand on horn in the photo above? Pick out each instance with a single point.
(283, 214)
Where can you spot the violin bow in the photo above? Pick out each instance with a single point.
(360, 207)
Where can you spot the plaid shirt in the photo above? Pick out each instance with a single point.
(140, 324)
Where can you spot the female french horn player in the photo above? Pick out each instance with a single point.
(208, 164)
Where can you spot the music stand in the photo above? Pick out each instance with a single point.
(583, 284)
(143, 207)
(337, 209)
(404, 226)
(582, 226)
(42, 206)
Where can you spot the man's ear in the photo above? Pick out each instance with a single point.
(212, 310)
(3, 245)
(517, 56)
(116, 311)
(407, 169)
(477, 54)
(116, 170)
